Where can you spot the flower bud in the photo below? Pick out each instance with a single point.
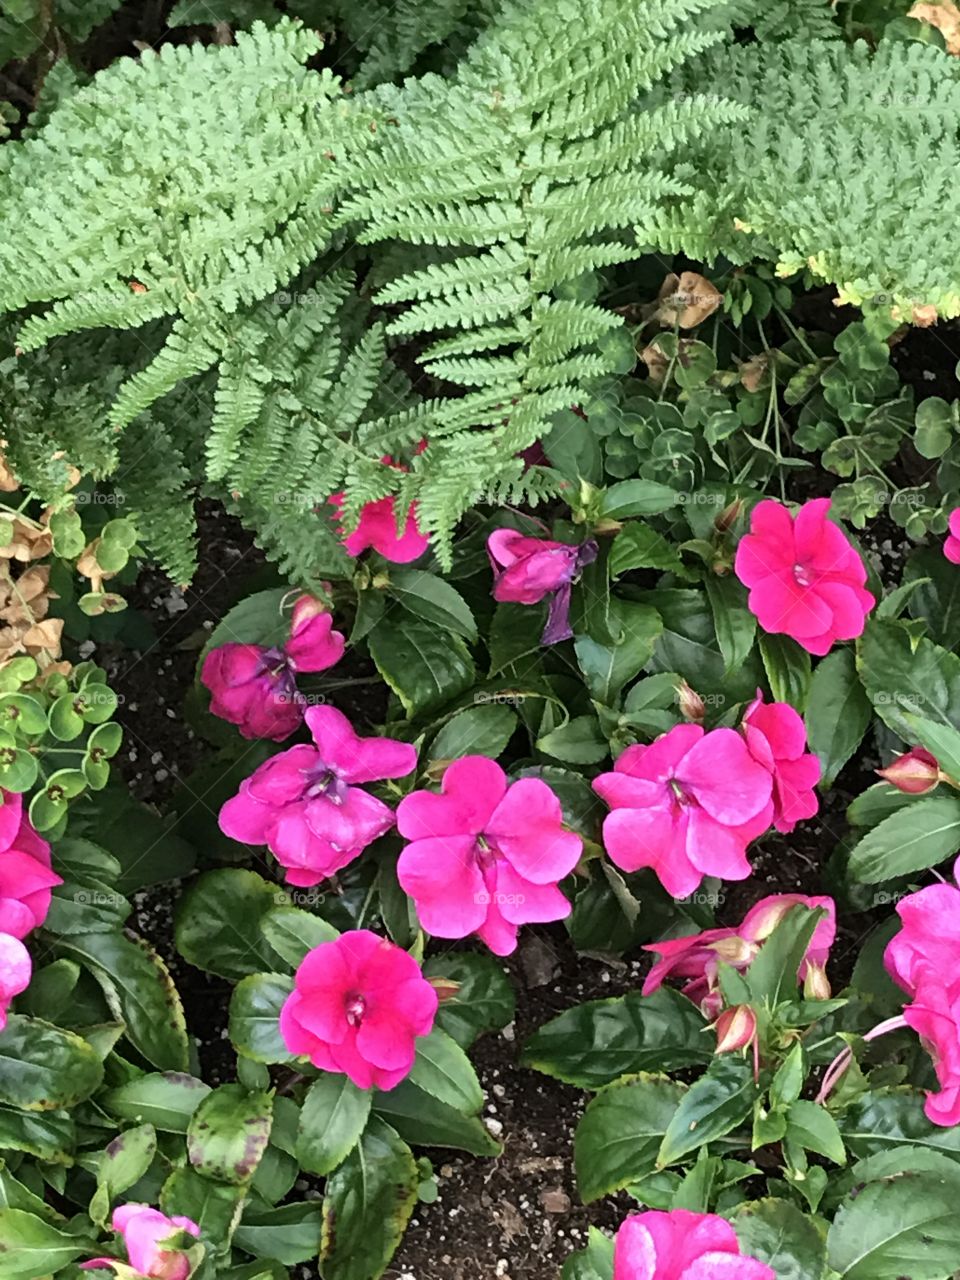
(816, 984)
(735, 1028)
(728, 516)
(735, 951)
(691, 704)
(914, 773)
(711, 1005)
(445, 988)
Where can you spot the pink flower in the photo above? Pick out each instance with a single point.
(687, 806)
(255, 688)
(26, 879)
(805, 578)
(527, 570)
(681, 1245)
(145, 1234)
(777, 738)
(485, 856)
(357, 1008)
(924, 959)
(951, 548)
(377, 528)
(914, 773)
(695, 957)
(15, 972)
(306, 803)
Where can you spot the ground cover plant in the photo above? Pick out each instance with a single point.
(479, 580)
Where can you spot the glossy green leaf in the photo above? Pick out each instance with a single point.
(622, 1129)
(907, 1225)
(228, 1133)
(481, 730)
(485, 1000)
(735, 625)
(922, 835)
(255, 1017)
(289, 1234)
(715, 1105)
(332, 1118)
(31, 1247)
(45, 1068)
(367, 1205)
(125, 1160)
(788, 669)
(218, 923)
(431, 598)
(420, 1118)
(777, 1233)
(596, 1043)
(838, 713)
(166, 1100)
(423, 665)
(291, 932)
(442, 1069)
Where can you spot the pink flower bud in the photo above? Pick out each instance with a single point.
(691, 704)
(735, 1028)
(914, 773)
(816, 984)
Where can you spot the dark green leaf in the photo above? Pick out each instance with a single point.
(621, 1131)
(255, 1017)
(902, 1226)
(432, 599)
(424, 666)
(777, 1233)
(44, 1068)
(716, 1104)
(485, 1000)
(922, 835)
(838, 713)
(218, 923)
(228, 1133)
(332, 1118)
(166, 1100)
(788, 669)
(31, 1247)
(481, 730)
(735, 625)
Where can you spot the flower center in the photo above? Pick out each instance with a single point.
(323, 782)
(681, 797)
(355, 1007)
(802, 575)
(485, 853)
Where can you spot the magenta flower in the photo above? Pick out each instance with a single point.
(687, 806)
(255, 688)
(951, 548)
(696, 956)
(806, 579)
(681, 1245)
(26, 879)
(358, 1005)
(146, 1234)
(527, 570)
(924, 959)
(307, 805)
(777, 738)
(485, 856)
(15, 972)
(377, 528)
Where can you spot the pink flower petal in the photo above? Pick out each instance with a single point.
(471, 790)
(526, 828)
(724, 778)
(356, 759)
(442, 877)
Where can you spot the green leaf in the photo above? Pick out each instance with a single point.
(50, 1135)
(425, 667)
(838, 713)
(735, 625)
(166, 1100)
(218, 923)
(899, 676)
(420, 1118)
(442, 1069)
(31, 1247)
(482, 730)
(607, 668)
(716, 1104)
(638, 546)
(255, 1017)
(431, 598)
(579, 741)
(257, 619)
(935, 594)
(772, 977)
(485, 1000)
(367, 1205)
(213, 1206)
(228, 1133)
(593, 1263)
(922, 835)
(292, 932)
(886, 1118)
(598, 1042)
(902, 1226)
(637, 498)
(44, 1068)
(813, 1128)
(141, 841)
(140, 993)
(332, 1118)
(777, 1233)
(124, 1162)
(290, 1234)
(617, 1140)
(941, 740)
(788, 669)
